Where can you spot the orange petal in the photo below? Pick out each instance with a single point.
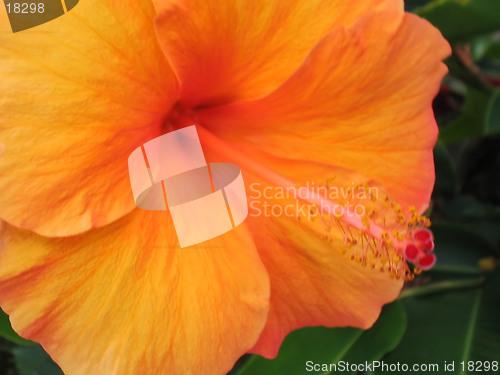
(125, 299)
(79, 93)
(362, 100)
(312, 281)
(226, 50)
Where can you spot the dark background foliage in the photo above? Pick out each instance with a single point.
(451, 313)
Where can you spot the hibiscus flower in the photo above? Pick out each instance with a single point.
(290, 91)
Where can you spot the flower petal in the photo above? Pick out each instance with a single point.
(312, 281)
(78, 94)
(226, 50)
(125, 299)
(362, 100)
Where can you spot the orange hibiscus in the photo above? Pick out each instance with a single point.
(291, 92)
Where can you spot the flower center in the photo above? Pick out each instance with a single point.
(178, 118)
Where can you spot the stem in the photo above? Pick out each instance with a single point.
(440, 286)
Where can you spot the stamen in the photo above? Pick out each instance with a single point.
(383, 236)
(378, 237)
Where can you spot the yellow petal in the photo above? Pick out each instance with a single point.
(78, 94)
(362, 101)
(226, 50)
(125, 299)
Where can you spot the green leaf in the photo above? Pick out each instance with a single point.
(493, 114)
(446, 171)
(480, 46)
(451, 327)
(33, 360)
(487, 228)
(441, 286)
(494, 49)
(471, 123)
(411, 5)
(465, 207)
(459, 250)
(330, 345)
(460, 20)
(467, 74)
(477, 164)
(8, 333)
(475, 216)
